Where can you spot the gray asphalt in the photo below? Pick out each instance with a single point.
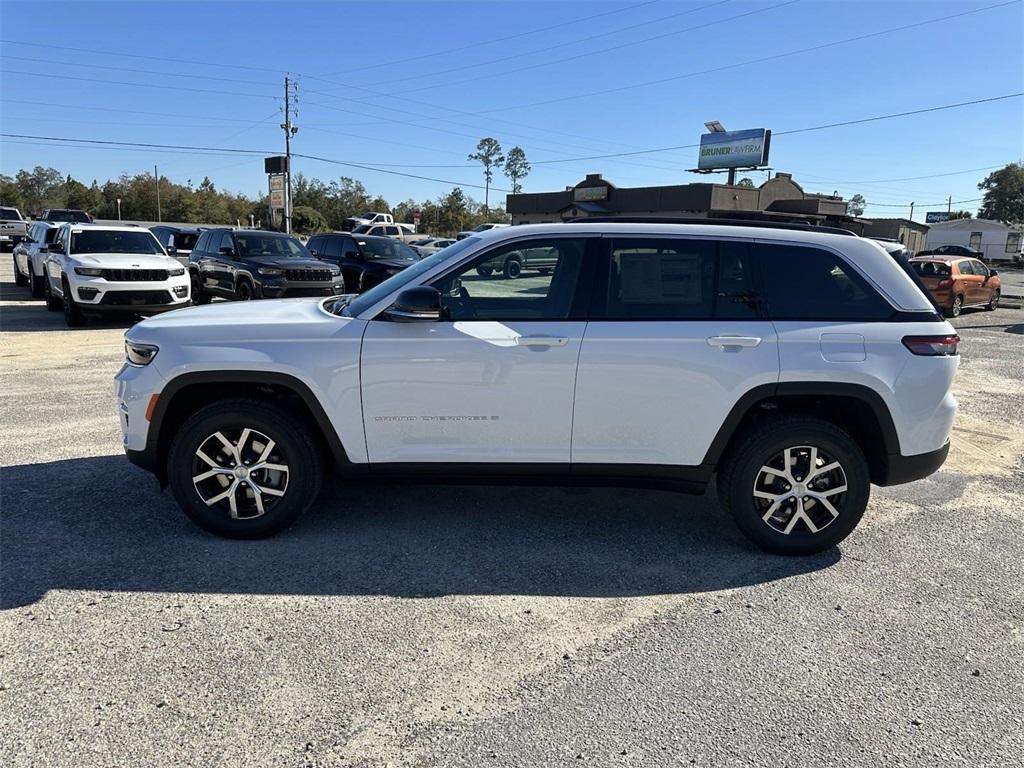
(431, 626)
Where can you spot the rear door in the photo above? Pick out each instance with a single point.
(676, 337)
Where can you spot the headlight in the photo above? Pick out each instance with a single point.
(139, 354)
(177, 272)
(89, 271)
(335, 271)
(270, 272)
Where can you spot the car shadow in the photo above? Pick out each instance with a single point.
(101, 524)
(33, 317)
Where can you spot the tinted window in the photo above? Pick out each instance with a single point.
(811, 284)
(391, 230)
(49, 233)
(61, 214)
(255, 245)
(349, 249)
(491, 293)
(184, 241)
(202, 244)
(931, 268)
(162, 234)
(114, 241)
(665, 279)
(9, 213)
(316, 244)
(965, 268)
(385, 248)
(332, 247)
(979, 268)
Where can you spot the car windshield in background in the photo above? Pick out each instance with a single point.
(72, 217)
(366, 300)
(385, 248)
(253, 245)
(9, 213)
(362, 228)
(114, 241)
(184, 241)
(931, 268)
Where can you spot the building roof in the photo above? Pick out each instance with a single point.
(971, 224)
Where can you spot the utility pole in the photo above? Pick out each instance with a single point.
(949, 204)
(911, 211)
(159, 213)
(289, 131)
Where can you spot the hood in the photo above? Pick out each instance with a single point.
(242, 319)
(288, 263)
(126, 260)
(393, 263)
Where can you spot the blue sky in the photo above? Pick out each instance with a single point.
(410, 85)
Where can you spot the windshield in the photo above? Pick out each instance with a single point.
(362, 229)
(10, 213)
(114, 241)
(252, 245)
(74, 217)
(366, 300)
(385, 248)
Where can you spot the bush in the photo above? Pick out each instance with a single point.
(308, 221)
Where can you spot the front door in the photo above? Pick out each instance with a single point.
(677, 336)
(493, 381)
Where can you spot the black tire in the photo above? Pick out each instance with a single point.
(993, 303)
(198, 296)
(485, 271)
(513, 268)
(957, 307)
(742, 475)
(53, 303)
(295, 448)
(38, 284)
(73, 316)
(544, 271)
(243, 291)
(20, 280)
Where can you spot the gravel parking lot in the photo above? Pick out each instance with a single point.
(509, 627)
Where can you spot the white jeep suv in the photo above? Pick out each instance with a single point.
(93, 268)
(797, 366)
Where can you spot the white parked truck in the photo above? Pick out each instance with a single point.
(369, 217)
(13, 227)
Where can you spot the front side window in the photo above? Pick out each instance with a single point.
(385, 248)
(979, 268)
(253, 245)
(114, 241)
(812, 284)
(541, 286)
(331, 247)
(965, 268)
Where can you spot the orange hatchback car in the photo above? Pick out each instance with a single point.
(956, 282)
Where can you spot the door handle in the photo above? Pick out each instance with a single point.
(542, 341)
(725, 342)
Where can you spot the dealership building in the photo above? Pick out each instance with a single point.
(779, 199)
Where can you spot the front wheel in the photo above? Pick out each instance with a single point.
(244, 291)
(19, 279)
(73, 316)
(513, 269)
(484, 271)
(244, 468)
(198, 296)
(795, 485)
(53, 304)
(993, 303)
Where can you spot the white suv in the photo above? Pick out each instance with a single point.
(797, 366)
(92, 268)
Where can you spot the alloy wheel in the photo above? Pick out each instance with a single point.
(801, 489)
(241, 471)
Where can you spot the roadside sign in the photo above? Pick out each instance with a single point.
(935, 217)
(734, 149)
(277, 198)
(277, 183)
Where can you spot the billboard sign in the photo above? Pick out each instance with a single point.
(277, 198)
(936, 217)
(734, 149)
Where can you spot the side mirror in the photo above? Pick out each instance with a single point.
(416, 305)
(171, 250)
(226, 250)
(314, 252)
(992, 273)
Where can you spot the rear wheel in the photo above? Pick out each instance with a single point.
(73, 316)
(484, 271)
(956, 307)
(19, 279)
(38, 283)
(244, 468)
(513, 269)
(795, 485)
(993, 303)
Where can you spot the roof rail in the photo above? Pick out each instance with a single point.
(715, 222)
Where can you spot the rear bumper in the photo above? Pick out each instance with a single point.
(905, 469)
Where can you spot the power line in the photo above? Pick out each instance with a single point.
(121, 111)
(924, 205)
(138, 85)
(748, 62)
(561, 44)
(434, 54)
(603, 52)
(137, 71)
(915, 178)
(794, 130)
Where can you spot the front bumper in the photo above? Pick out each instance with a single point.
(96, 294)
(286, 289)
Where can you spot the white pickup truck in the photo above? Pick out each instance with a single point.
(367, 218)
(404, 232)
(13, 227)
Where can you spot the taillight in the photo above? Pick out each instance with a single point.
(946, 282)
(932, 346)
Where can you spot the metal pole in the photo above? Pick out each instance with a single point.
(732, 176)
(949, 204)
(288, 159)
(159, 213)
(119, 209)
(911, 211)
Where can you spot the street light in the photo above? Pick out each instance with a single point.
(714, 126)
(119, 209)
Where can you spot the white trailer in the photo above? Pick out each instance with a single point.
(996, 241)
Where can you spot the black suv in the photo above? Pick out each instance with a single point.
(253, 264)
(70, 215)
(364, 260)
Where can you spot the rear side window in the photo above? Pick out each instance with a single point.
(931, 268)
(812, 284)
(681, 279)
(332, 247)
